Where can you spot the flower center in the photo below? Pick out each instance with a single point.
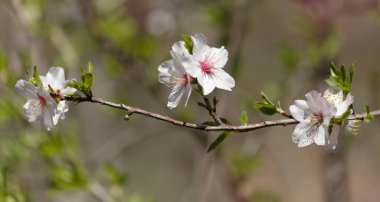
(318, 118)
(206, 66)
(185, 79)
(41, 99)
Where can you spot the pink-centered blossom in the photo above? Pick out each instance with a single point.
(206, 64)
(173, 74)
(40, 106)
(314, 116)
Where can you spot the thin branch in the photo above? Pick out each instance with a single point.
(237, 128)
(212, 111)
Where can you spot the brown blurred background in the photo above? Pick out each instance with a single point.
(283, 48)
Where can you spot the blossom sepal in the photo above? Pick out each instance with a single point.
(35, 77)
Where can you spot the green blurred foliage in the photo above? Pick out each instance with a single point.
(265, 197)
(244, 165)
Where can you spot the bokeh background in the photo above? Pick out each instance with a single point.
(283, 48)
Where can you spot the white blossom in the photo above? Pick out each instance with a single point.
(206, 64)
(55, 78)
(40, 106)
(173, 74)
(335, 97)
(314, 116)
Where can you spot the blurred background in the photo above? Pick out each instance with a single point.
(283, 48)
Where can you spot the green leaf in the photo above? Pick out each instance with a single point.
(225, 121)
(215, 101)
(340, 78)
(199, 89)
(244, 118)
(369, 117)
(266, 99)
(90, 68)
(88, 80)
(266, 106)
(188, 43)
(75, 84)
(219, 140)
(202, 105)
(114, 176)
(268, 109)
(244, 165)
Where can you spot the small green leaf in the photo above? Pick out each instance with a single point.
(90, 68)
(188, 43)
(267, 106)
(215, 101)
(244, 118)
(266, 99)
(199, 89)
(267, 109)
(369, 117)
(225, 121)
(219, 140)
(202, 105)
(114, 176)
(88, 80)
(340, 78)
(75, 84)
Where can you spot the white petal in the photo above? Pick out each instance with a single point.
(47, 119)
(320, 136)
(177, 67)
(343, 106)
(199, 46)
(164, 75)
(45, 94)
(219, 56)
(334, 96)
(68, 90)
(302, 105)
(313, 99)
(44, 81)
(175, 96)
(301, 134)
(319, 104)
(297, 113)
(207, 82)
(26, 89)
(223, 80)
(180, 49)
(187, 93)
(32, 109)
(62, 108)
(56, 77)
(191, 66)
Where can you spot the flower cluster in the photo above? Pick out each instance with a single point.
(316, 113)
(200, 62)
(44, 97)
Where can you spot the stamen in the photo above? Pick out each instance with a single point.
(185, 79)
(205, 66)
(317, 118)
(41, 99)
